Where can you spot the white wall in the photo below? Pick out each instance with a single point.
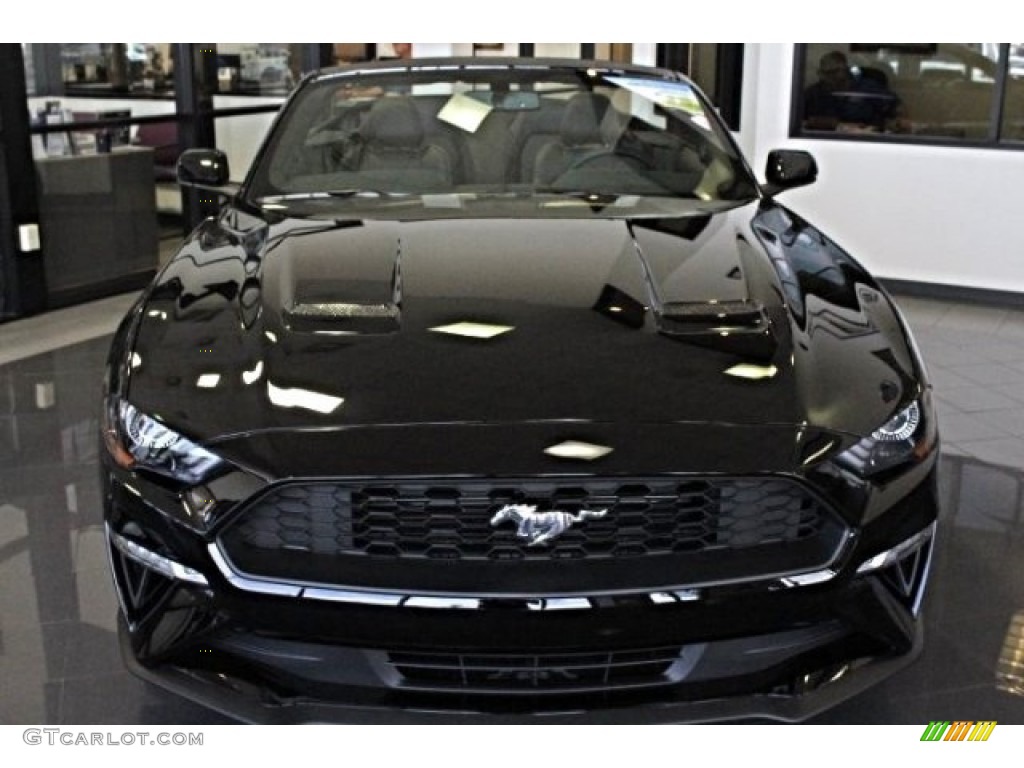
(931, 214)
(556, 50)
(645, 53)
(427, 50)
(240, 137)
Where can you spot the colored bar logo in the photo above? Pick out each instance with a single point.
(959, 730)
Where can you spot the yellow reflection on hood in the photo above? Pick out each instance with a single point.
(295, 397)
(752, 372)
(577, 449)
(473, 330)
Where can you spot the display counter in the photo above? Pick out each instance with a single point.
(98, 222)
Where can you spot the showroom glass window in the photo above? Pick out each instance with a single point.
(258, 69)
(969, 93)
(1013, 106)
(95, 68)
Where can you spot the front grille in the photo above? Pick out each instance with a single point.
(453, 522)
(438, 536)
(547, 673)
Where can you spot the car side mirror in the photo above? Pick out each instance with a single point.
(789, 168)
(203, 168)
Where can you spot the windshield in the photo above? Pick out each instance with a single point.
(438, 137)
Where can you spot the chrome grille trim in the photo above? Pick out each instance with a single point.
(363, 597)
(165, 566)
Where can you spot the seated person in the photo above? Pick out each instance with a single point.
(842, 99)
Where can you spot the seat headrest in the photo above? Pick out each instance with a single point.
(581, 121)
(394, 121)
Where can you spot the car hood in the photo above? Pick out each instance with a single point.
(747, 317)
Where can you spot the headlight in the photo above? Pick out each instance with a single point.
(889, 445)
(900, 427)
(136, 440)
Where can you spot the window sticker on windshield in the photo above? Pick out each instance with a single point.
(464, 112)
(664, 94)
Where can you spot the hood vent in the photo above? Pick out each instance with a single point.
(736, 327)
(712, 317)
(343, 317)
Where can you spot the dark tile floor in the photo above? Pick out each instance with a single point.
(59, 661)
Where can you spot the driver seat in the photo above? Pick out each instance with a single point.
(579, 135)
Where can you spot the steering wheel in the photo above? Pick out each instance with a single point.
(616, 158)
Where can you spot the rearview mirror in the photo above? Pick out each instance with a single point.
(789, 168)
(508, 101)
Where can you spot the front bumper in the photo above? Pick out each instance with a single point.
(784, 649)
(782, 655)
(250, 701)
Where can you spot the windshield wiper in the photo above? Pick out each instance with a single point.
(326, 195)
(595, 197)
(584, 195)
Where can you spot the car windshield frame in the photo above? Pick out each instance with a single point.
(536, 136)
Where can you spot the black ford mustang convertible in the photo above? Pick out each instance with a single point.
(503, 390)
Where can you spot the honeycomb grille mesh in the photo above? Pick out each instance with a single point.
(451, 522)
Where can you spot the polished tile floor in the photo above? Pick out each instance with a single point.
(59, 660)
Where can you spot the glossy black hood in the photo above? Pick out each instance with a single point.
(745, 317)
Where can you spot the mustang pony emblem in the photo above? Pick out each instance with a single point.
(541, 527)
